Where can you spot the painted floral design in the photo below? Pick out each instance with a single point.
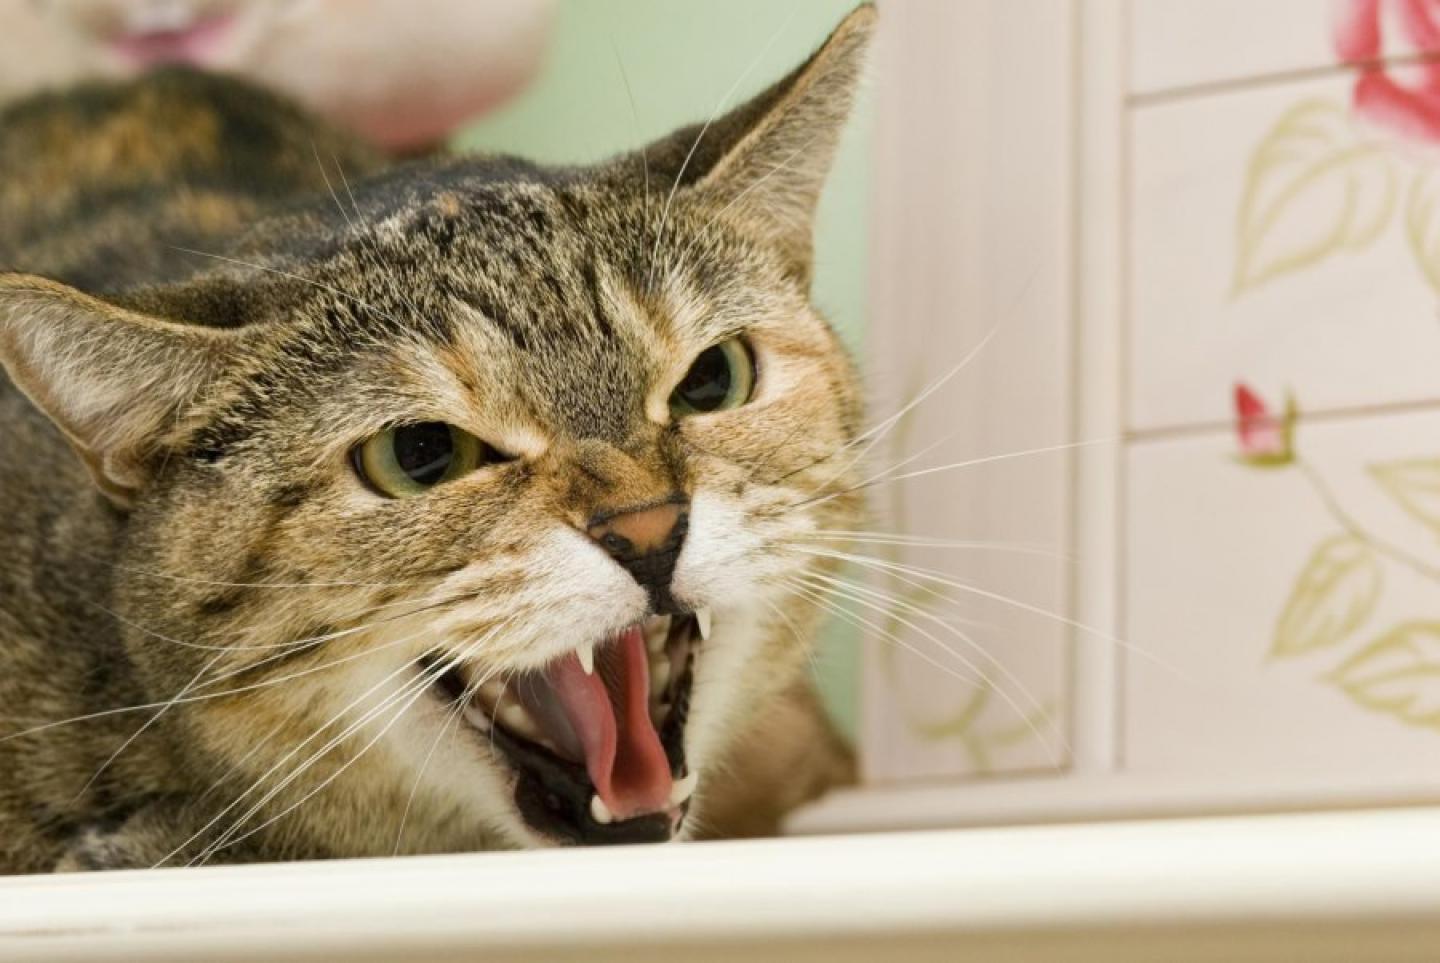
(1326, 179)
(1264, 437)
(1334, 598)
(1406, 102)
(1330, 177)
(990, 726)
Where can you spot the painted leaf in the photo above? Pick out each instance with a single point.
(1315, 187)
(1415, 484)
(1422, 224)
(1399, 674)
(1334, 594)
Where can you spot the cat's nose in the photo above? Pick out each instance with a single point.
(646, 542)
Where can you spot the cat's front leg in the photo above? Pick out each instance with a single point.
(164, 832)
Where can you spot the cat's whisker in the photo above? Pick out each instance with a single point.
(413, 608)
(422, 683)
(881, 429)
(209, 696)
(981, 684)
(170, 704)
(941, 578)
(634, 117)
(345, 181)
(798, 636)
(292, 276)
(878, 433)
(233, 837)
(259, 745)
(880, 475)
(940, 596)
(886, 606)
(704, 233)
(953, 466)
(714, 115)
(857, 537)
(219, 583)
(293, 644)
(452, 717)
(412, 691)
(821, 598)
(403, 668)
(358, 222)
(325, 175)
(267, 683)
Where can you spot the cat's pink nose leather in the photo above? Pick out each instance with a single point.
(646, 542)
(639, 532)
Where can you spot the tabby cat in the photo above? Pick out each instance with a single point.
(357, 507)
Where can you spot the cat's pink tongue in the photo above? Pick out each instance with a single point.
(623, 754)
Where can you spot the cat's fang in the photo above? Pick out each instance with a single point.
(702, 621)
(683, 788)
(586, 655)
(600, 812)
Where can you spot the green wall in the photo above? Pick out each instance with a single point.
(680, 58)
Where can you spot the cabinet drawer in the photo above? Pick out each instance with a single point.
(1276, 237)
(1290, 616)
(1175, 45)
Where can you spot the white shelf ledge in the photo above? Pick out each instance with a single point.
(1076, 798)
(1326, 887)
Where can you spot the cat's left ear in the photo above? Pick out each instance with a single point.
(114, 381)
(766, 161)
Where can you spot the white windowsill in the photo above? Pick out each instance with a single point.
(1337, 886)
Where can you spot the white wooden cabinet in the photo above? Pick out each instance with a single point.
(1136, 206)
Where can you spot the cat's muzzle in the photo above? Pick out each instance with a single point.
(596, 738)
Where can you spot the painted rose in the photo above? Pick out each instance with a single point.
(1264, 437)
(1404, 100)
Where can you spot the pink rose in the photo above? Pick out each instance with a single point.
(1264, 437)
(1410, 109)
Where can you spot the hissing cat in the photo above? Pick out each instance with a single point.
(354, 509)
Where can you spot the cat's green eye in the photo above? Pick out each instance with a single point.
(409, 459)
(722, 377)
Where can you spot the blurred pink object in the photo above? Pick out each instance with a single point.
(1366, 32)
(404, 73)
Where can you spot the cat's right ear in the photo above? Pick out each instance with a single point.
(114, 381)
(764, 163)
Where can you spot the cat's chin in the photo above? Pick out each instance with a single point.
(596, 740)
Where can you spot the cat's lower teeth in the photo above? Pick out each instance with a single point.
(659, 676)
(657, 633)
(518, 721)
(476, 716)
(683, 788)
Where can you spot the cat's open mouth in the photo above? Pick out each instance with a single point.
(597, 737)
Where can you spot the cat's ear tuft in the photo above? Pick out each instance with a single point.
(114, 381)
(766, 161)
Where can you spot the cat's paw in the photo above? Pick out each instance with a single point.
(97, 847)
